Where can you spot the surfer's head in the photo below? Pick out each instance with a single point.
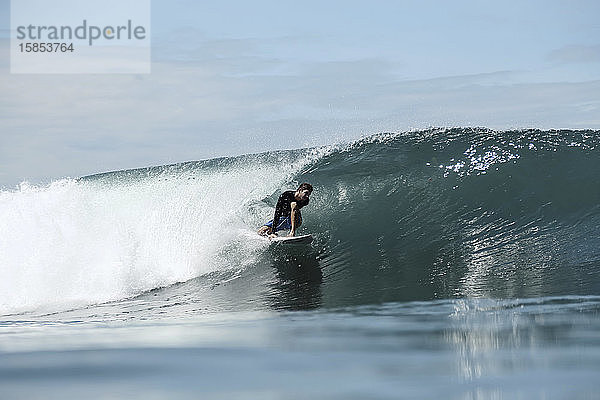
(303, 191)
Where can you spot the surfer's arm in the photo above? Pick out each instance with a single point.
(294, 206)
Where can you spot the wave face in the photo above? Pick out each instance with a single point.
(441, 213)
(460, 213)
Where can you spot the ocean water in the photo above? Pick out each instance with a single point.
(447, 263)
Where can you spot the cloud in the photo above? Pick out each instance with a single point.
(575, 54)
(225, 98)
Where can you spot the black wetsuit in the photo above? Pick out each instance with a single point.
(284, 208)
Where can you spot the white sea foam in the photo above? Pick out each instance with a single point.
(79, 242)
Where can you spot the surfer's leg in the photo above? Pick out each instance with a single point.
(286, 223)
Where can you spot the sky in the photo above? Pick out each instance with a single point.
(236, 77)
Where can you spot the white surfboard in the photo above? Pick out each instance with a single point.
(302, 239)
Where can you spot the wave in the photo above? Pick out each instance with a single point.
(439, 213)
(115, 235)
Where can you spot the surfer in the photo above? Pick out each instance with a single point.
(287, 211)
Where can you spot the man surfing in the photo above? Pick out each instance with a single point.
(287, 211)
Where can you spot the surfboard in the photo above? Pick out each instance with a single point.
(302, 239)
